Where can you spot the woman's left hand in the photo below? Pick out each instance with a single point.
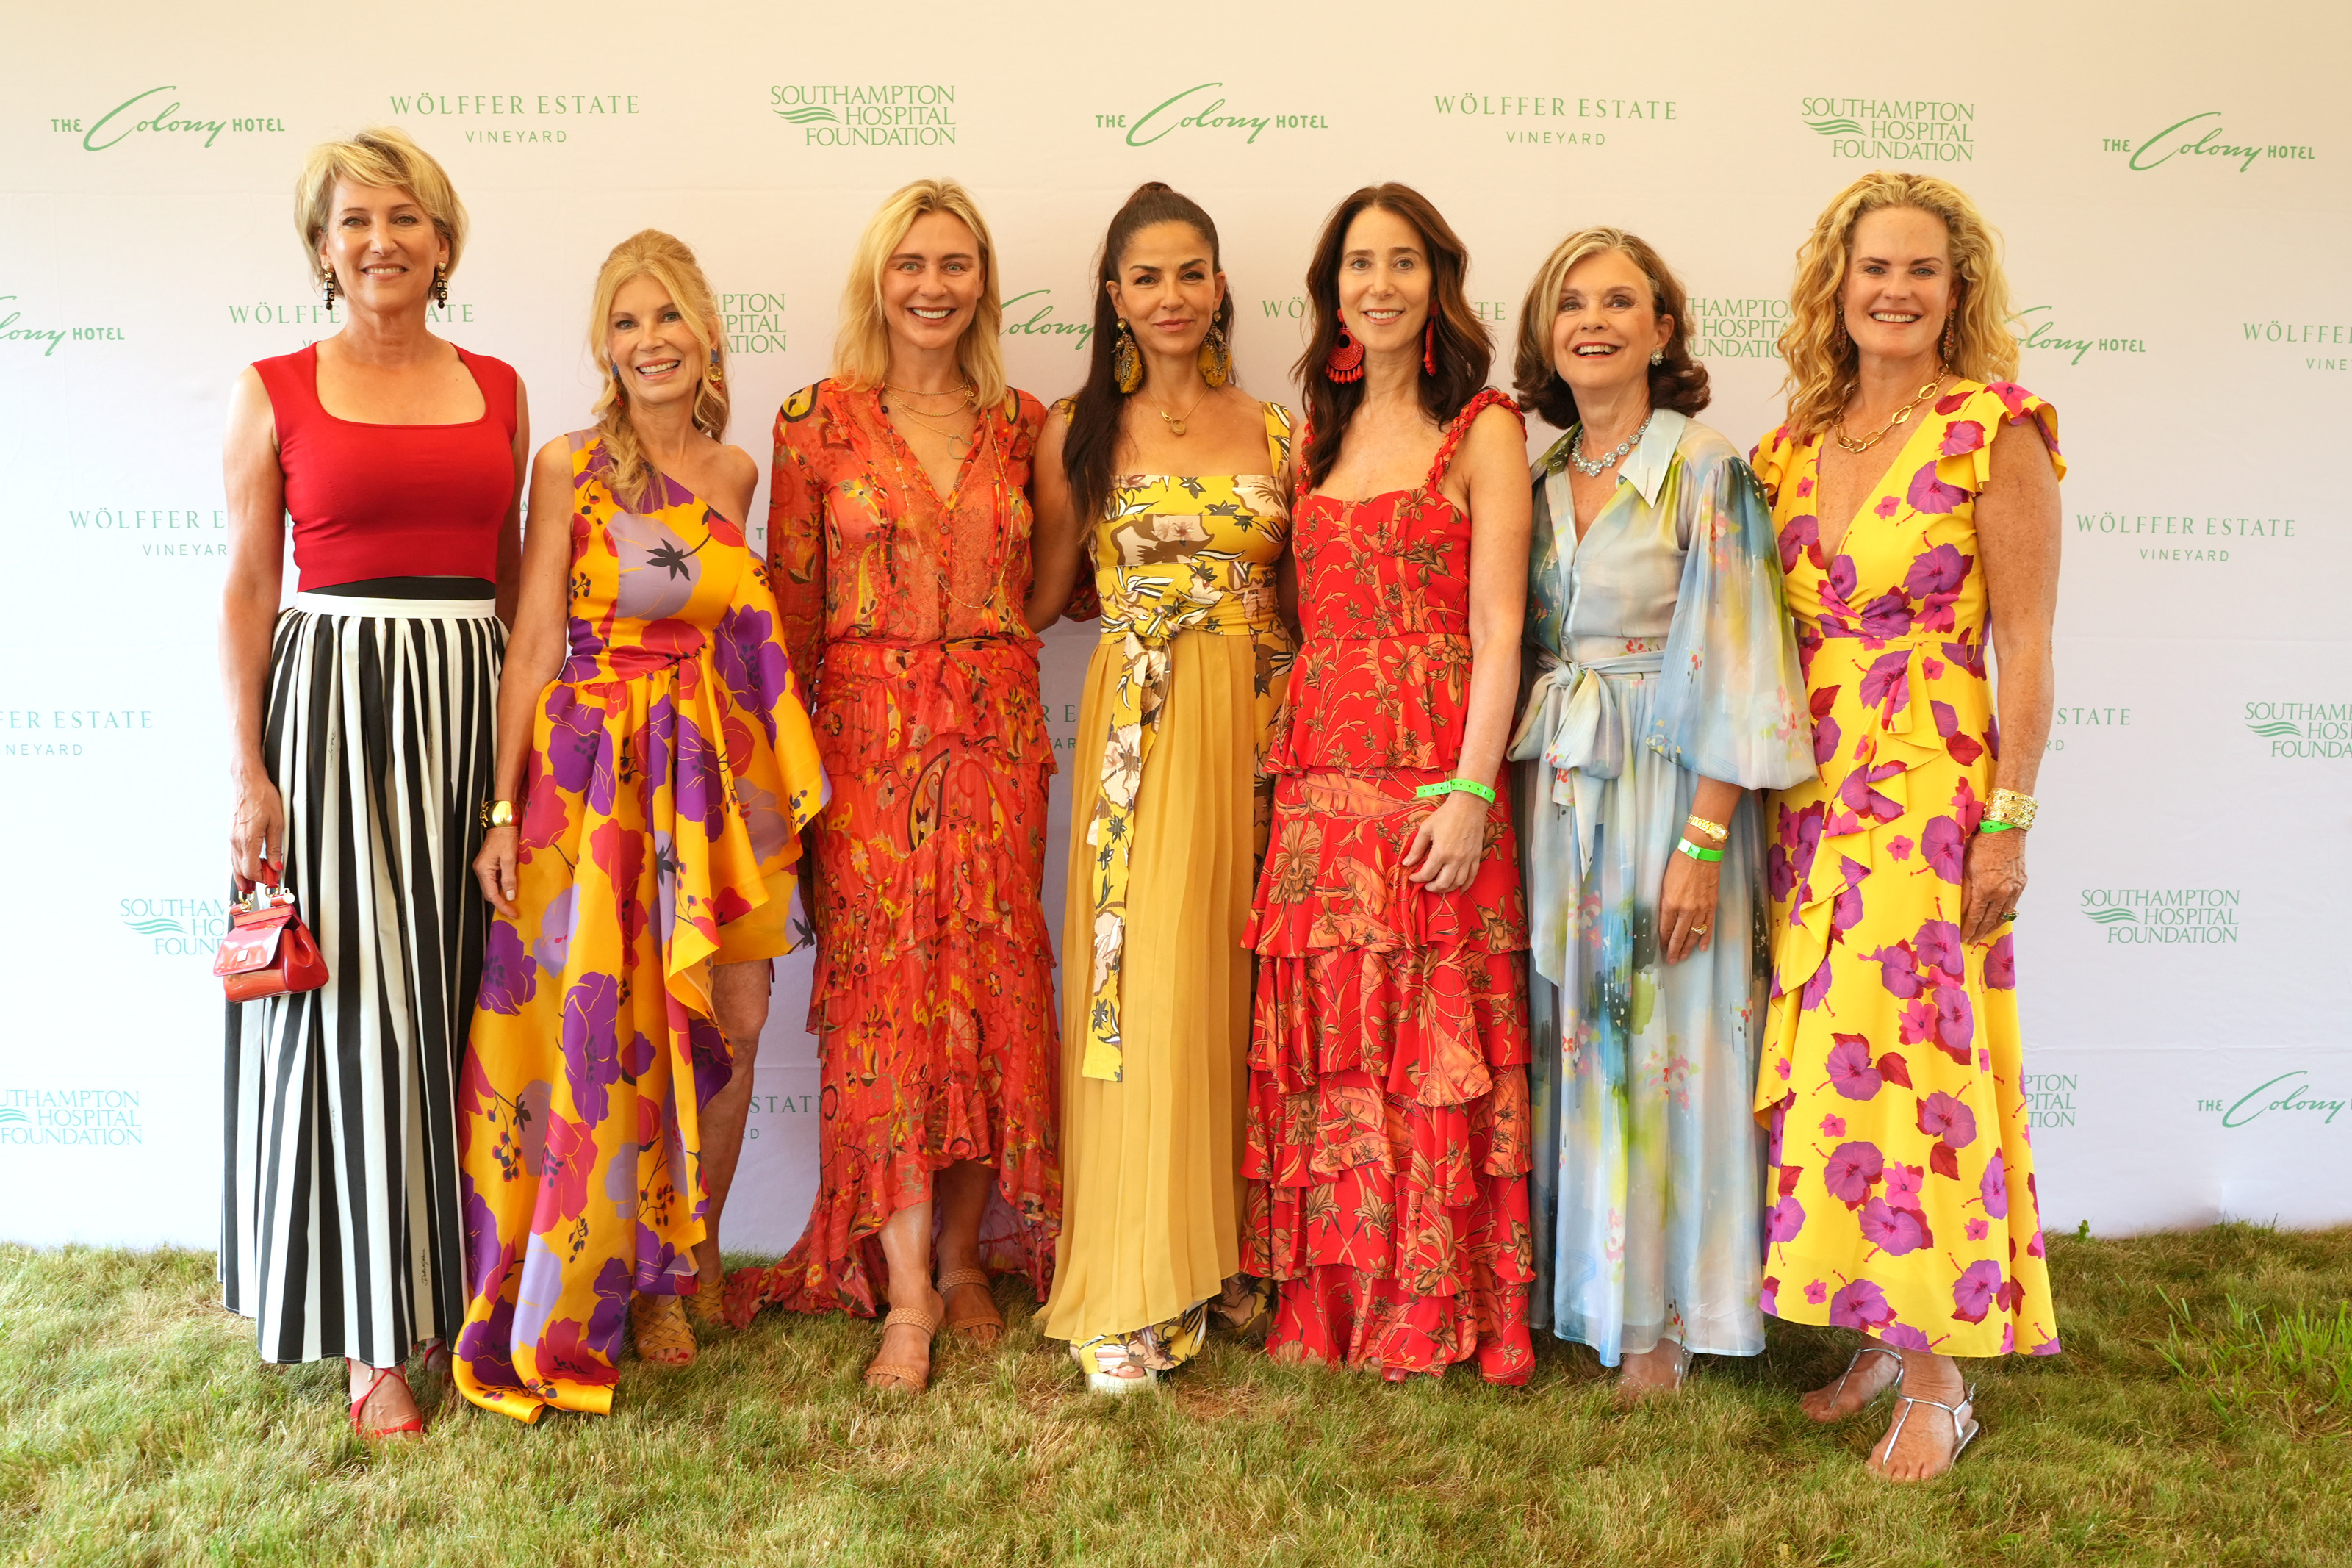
(1991, 883)
(1446, 847)
(1686, 907)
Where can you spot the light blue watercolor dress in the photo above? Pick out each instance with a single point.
(1662, 652)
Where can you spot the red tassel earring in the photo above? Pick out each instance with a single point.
(1347, 361)
(1429, 347)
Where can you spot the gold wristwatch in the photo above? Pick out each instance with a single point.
(498, 813)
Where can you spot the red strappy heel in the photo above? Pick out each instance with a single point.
(415, 1424)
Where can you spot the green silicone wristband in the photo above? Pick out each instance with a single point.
(1989, 826)
(1426, 791)
(1471, 786)
(1685, 846)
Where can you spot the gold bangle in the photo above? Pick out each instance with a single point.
(2011, 807)
(497, 814)
(1715, 830)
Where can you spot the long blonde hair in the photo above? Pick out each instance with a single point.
(650, 253)
(861, 354)
(1824, 361)
(381, 156)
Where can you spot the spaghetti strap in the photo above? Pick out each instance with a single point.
(1488, 397)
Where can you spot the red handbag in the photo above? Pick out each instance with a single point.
(268, 952)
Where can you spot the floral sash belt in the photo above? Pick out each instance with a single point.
(1144, 611)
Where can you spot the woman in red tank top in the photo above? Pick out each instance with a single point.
(361, 725)
(1389, 1119)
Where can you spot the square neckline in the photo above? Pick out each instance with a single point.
(463, 358)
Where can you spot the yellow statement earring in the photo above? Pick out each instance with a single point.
(1126, 363)
(1216, 358)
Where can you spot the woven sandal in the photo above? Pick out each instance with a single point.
(898, 1376)
(705, 1310)
(983, 1328)
(1964, 1431)
(657, 1325)
(1891, 1383)
(412, 1427)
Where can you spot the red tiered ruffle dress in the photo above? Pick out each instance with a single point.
(1388, 1125)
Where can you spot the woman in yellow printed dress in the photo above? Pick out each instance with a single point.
(641, 862)
(1176, 483)
(1914, 490)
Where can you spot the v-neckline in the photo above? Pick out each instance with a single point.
(1869, 496)
(946, 503)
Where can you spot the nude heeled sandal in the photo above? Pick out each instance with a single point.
(899, 1377)
(983, 1328)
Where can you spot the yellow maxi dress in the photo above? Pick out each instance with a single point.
(1902, 1200)
(671, 770)
(1173, 809)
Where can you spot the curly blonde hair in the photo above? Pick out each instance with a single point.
(650, 253)
(383, 157)
(861, 354)
(1824, 361)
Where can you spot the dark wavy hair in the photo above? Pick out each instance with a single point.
(1463, 352)
(1093, 443)
(1679, 382)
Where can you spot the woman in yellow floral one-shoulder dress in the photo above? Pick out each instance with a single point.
(1914, 490)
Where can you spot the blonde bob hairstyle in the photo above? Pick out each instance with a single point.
(861, 354)
(650, 253)
(1822, 358)
(381, 156)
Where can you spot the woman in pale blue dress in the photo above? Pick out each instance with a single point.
(1665, 690)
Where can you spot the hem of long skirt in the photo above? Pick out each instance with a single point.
(783, 1285)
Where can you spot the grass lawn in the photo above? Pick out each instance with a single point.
(2199, 1414)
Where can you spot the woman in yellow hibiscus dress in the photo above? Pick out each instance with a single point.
(671, 769)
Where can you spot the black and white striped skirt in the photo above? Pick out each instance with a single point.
(341, 1230)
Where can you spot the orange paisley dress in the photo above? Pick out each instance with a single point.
(1388, 1136)
(933, 997)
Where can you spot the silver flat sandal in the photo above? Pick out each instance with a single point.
(1965, 1427)
(1867, 1350)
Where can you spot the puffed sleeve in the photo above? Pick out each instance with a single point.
(1731, 697)
(796, 539)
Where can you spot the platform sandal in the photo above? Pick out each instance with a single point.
(657, 1327)
(983, 1328)
(903, 1377)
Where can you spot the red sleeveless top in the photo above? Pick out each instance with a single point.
(392, 501)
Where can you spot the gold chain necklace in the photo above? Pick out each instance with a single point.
(966, 441)
(964, 394)
(1175, 422)
(1003, 543)
(1837, 431)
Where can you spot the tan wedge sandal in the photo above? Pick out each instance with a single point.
(983, 1328)
(901, 1376)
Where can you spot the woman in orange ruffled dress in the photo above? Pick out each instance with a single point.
(1388, 1117)
(898, 535)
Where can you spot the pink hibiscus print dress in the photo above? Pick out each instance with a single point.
(1902, 1200)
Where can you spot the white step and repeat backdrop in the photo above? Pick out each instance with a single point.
(2173, 187)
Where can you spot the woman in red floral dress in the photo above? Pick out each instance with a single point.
(1388, 1121)
(899, 540)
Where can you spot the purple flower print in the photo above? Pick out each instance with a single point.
(1892, 1230)
(1778, 873)
(1851, 1171)
(1975, 1291)
(1783, 1220)
(1895, 970)
(1797, 535)
(1944, 1117)
(1965, 748)
(1961, 436)
(1845, 908)
(592, 1047)
(1857, 795)
(1942, 847)
(485, 1258)
(1884, 685)
(701, 786)
(1826, 735)
(1955, 1022)
(638, 1058)
(2001, 965)
(1859, 1304)
(750, 664)
(1904, 1337)
(1888, 615)
(1936, 572)
(656, 739)
(1841, 580)
(1767, 1299)
(1937, 945)
(558, 923)
(1816, 1292)
(585, 646)
(508, 978)
(1928, 493)
(612, 1306)
(575, 742)
(1817, 989)
(1849, 1070)
(1994, 1186)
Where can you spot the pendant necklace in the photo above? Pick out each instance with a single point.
(1593, 467)
(1175, 422)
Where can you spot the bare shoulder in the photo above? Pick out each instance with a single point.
(554, 460)
(1055, 434)
(739, 467)
(1497, 435)
(2019, 454)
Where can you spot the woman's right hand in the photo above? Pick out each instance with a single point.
(257, 833)
(494, 867)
